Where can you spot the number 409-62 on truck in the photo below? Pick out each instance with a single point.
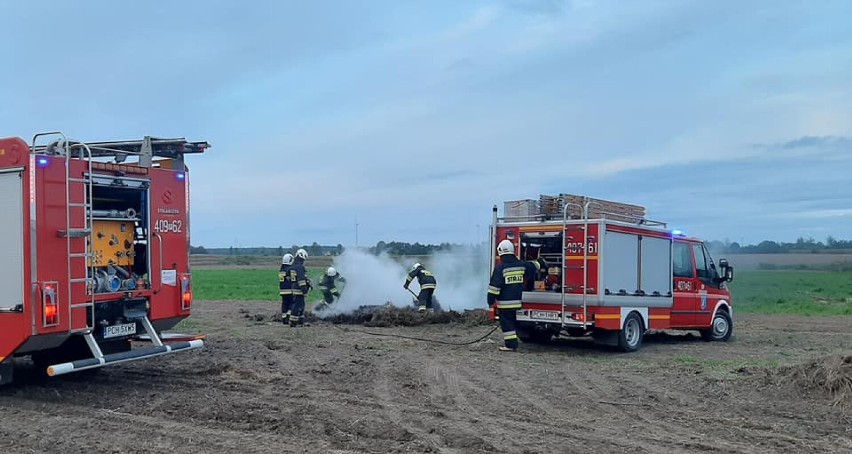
(607, 271)
(94, 251)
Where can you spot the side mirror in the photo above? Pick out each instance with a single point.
(727, 270)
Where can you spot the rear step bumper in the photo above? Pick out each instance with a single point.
(116, 358)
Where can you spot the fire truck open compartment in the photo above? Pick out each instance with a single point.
(119, 234)
(548, 247)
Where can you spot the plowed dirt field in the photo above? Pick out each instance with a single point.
(260, 387)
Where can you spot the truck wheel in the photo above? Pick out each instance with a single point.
(721, 328)
(631, 334)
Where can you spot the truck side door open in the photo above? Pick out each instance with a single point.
(545, 247)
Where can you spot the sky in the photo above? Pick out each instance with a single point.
(725, 119)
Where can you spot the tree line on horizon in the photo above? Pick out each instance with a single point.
(315, 249)
(801, 245)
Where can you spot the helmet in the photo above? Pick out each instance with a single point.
(505, 247)
(331, 271)
(415, 266)
(287, 259)
(302, 254)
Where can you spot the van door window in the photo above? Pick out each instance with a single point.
(682, 261)
(701, 265)
(712, 272)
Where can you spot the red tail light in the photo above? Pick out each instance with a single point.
(185, 291)
(49, 304)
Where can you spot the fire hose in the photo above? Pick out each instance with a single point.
(421, 339)
(412, 293)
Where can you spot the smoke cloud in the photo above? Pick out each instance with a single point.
(462, 275)
(370, 280)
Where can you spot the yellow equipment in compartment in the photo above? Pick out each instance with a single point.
(112, 243)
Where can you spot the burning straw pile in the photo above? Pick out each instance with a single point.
(831, 375)
(384, 316)
(388, 315)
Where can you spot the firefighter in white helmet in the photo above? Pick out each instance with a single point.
(285, 287)
(301, 287)
(505, 290)
(532, 254)
(427, 282)
(328, 287)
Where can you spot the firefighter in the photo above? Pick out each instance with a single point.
(533, 255)
(301, 286)
(505, 291)
(329, 288)
(427, 282)
(285, 287)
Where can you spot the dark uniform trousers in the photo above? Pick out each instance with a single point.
(424, 297)
(505, 292)
(328, 295)
(300, 288)
(508, 322)
(329, 289)
(428, 284)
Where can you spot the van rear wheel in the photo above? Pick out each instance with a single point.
(631, 334)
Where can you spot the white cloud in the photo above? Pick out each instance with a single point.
(820, 214)
(387, 112)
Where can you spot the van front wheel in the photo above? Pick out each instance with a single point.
(720, 329)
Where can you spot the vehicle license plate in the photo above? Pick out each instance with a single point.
(546, 315)
(119, 330)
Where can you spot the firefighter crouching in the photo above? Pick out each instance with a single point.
(427, 282)
(328, 287)
(285, 287)
(301, 287)
(533, 255)
(505, 291)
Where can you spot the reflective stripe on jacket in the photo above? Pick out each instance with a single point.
(508, 281)
(284, 286)
(424, 277)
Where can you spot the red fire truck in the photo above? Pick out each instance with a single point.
(94, 250)
(607, 271)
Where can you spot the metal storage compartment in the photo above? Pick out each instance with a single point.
(521, 208)
(12, 240)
